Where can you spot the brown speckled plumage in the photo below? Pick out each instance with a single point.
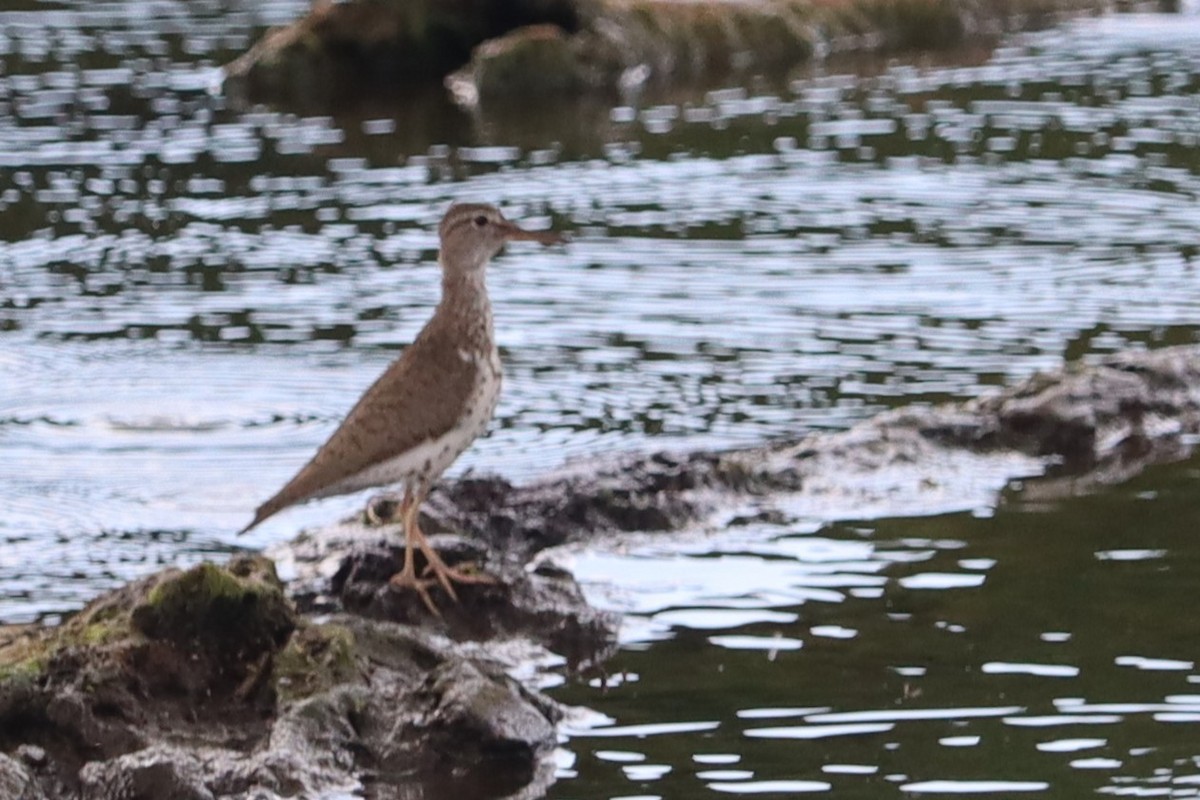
(437, 397)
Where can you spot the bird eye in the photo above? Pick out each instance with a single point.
(480, 221)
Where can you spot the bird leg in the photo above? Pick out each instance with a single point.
(407, 578)
(443, 573)
(446, 575)
(409, 571)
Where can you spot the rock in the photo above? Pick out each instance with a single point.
(520, 48)
(1068, 431)
(491, 723)
(348, 566)
(342, 49)
(316, 658)
(238, 610)
(489, 713)
(214, 682)
(156, 772)
(16, 782)
(206, 683)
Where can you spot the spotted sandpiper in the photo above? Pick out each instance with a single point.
(430, 404)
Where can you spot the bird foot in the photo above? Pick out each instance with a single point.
(471, 574)
(447, 575)
(420, 585)
(381, 509)
(439, 573)
(401, 581)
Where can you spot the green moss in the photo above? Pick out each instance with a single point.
(103, 621)
(207, 631)
(316, 658)
(239, 608)
(206, 583)
(104, 632)
(24, 652)
(27, 669)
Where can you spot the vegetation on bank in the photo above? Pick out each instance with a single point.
(487, 50)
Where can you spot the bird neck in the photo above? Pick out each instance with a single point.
(465, 301)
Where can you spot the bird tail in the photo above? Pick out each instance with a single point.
(300, 488)
(267, 509)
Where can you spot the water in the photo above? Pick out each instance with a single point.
(192, 295)
(1030, 651)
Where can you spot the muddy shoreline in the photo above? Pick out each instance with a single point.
(222, 680)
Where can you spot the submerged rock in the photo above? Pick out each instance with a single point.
(1091, 424)
(1085, 426)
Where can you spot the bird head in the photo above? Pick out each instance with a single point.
(471, 233)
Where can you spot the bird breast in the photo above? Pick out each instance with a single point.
(429, 459)
(486, 395)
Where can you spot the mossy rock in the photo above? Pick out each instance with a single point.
(238, 610)
(22, 654)
(316, 658)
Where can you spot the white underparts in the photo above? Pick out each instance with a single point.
(429, 459)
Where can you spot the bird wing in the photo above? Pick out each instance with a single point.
(404, 407)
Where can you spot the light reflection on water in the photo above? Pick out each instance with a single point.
(1062, 672)
(192, 295)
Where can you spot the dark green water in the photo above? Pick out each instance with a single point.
(1047, 651)
(192, 295)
